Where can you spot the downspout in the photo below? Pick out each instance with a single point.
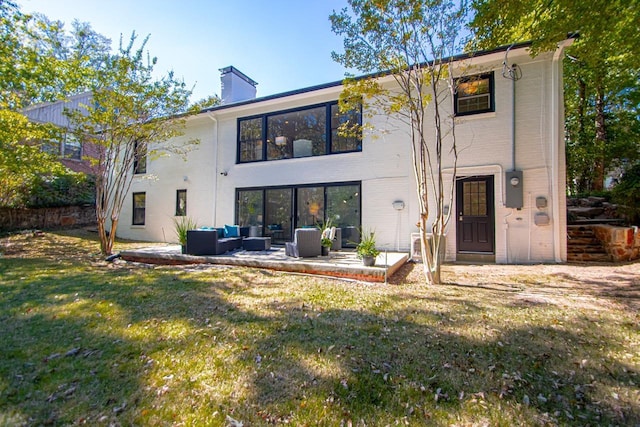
(512, 73)
(557, 117)
(215, 171)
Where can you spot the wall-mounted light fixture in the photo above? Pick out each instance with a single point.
(398, 205)
(185, 178)
(225, 173)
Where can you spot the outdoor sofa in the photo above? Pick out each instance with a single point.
(215, 241)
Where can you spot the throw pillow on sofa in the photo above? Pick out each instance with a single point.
(231, 231)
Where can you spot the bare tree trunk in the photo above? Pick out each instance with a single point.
(582, 107)
(430, 268)
(102, 233)
(581, 184)
(111, 237)
(601, 140)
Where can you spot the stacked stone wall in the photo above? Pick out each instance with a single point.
(47, 218)
(621, 243)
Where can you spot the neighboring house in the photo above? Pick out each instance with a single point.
(277, 163)
(73, 154)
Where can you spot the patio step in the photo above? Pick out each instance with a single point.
(584, 246)
(341, 264)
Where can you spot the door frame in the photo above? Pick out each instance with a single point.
(477, 255)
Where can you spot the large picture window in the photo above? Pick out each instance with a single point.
(310, 131)
(277, 211)
(139, 205)
(297, 134)
(474, 95)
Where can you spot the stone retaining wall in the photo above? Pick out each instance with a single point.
(622, 243)
(47, 218)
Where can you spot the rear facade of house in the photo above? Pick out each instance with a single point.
(278, 163)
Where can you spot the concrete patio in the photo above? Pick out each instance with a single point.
(343, 263)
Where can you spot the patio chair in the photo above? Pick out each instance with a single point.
(306, 243)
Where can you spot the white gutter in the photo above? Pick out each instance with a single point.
(557, 137)
(215, 171)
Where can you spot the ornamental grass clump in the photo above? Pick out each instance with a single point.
(366, 248)
(182, 225)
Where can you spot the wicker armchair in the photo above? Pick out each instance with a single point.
(306, 243)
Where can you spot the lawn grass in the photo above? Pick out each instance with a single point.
(86, 342)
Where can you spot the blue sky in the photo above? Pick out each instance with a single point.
(281, 44)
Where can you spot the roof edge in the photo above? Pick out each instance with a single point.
(455, 58)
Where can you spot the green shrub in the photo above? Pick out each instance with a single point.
(627, 194)
(69, 189)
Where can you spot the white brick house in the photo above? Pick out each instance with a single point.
(276, 163)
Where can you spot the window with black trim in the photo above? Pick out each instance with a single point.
(140, 158)
(250, 139)
(300, 133)
(474, 95)
(277, 211)
(181, 202)
(346, 130)
(139, 205)
(71, 147)
(308, 131)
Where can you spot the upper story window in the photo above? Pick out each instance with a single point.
(304, 132)
(474, 94)
(71, 147)
(250, 139)
(140, 158)
(297, 134)
(346, 134)
(68, 147)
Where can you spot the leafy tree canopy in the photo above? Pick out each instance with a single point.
(24, 79)
(132, 115)
(412, 43)
(602, 73)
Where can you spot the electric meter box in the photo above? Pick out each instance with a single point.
(513, 192)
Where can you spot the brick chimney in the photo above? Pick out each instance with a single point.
(235, 86)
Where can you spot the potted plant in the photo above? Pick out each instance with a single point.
(366, 248)
(325, 240)
(182, 225)
(326, 243)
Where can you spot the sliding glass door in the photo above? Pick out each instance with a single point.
(278, 214)
(278, 211)
(249, 208)
(343, 207)
(310, 204)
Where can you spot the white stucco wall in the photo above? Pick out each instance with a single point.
(383, 167)
(166, 175)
